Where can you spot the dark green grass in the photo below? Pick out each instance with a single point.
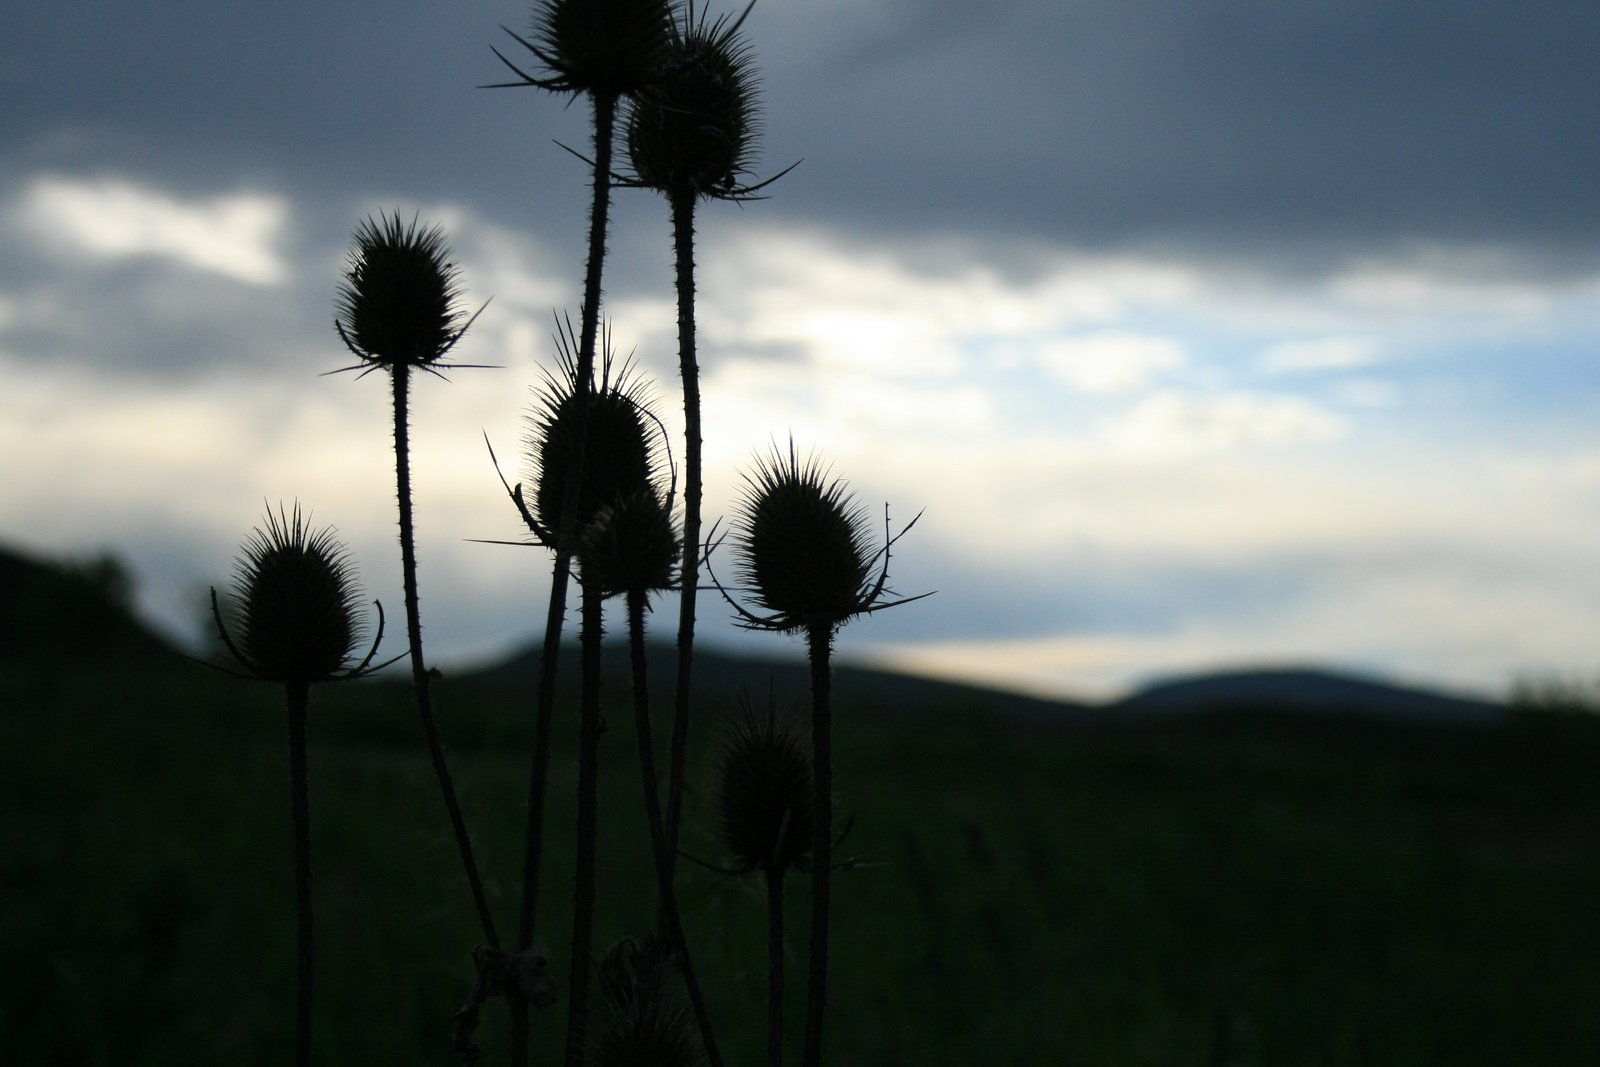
(1240, 889)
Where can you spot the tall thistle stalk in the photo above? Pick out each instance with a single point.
(800, 543)
(398, 310)
(297, 624)
(606, 49)
(692, 137)
(629, 549)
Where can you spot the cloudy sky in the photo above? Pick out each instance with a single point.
(1204, 334)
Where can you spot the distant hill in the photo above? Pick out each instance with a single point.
(60, 614)
(57, 614)
(1304, 690)
(719, 676)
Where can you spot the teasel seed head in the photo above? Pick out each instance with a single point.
(694, 132)
(630, 546)
(296, 603)
(619, 436)
(400, 302)
(600, 47)
(648, 1032)
(800, 544)
(764, 792)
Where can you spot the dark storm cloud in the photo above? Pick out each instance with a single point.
(1295, 120)
(1266, 122)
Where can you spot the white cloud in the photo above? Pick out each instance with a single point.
(1177, 424)
(925, 376)
(1369, 392)
(1111, 361)
(230, 235)
(1323, 353)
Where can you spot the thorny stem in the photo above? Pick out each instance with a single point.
(774, 874)
(605, 115)
(605, 110)
(820, 639)
(589, 730)
(420, 675)
(300, 804)
(538, 780)
(652, 807)
(683, 245)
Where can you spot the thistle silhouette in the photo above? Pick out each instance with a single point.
(629, 549)
(692, 136)
(765, 796)
(800, 543)
(625, 543)
(297, 624)
(399, 309)
(605, 49)
(643, 1027)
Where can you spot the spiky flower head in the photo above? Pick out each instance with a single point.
(400, 302)
(630, 546)
(694, 132)
(764, 794)
(296, 603)
(612, 418)
(606, 48)
(647, 1032)
(800, 545)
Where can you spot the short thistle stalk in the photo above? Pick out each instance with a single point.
(296, 624)
(399, 310)
(801, 547)
(765, 800)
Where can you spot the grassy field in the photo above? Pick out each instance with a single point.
(1244, 888)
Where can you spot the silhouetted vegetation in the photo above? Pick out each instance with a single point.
(1229, 888)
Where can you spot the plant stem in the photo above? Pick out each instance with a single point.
(605, 115)
(683, 245)
(774, 875)
(420, 676)
(589, 729)
(298, 695)
(820, 639)
(538, 780)
(605, 110)
(658, 839)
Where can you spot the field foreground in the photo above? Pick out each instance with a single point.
(1246, 887)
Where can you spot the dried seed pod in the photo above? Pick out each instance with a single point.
(764, 792)
(800, 544)
(601, 47)
(647, 1032)
(630, 546)
(618, 442)
(296, 602)
(695, 131)
(399, 304)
